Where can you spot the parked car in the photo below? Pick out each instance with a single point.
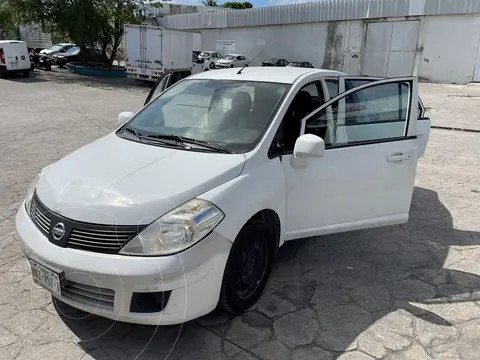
(75, 54)
(55, 49)
(210, 57)
(14, 57)
(185, 205)
(274, 62)
(231, 60)
(302, 64)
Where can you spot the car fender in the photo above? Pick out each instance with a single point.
(259, 188)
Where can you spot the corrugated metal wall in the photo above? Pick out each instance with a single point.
(327, 10)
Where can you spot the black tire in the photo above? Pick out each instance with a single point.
(245, 277)
(231, 66)
(211, 66)
(48, 67)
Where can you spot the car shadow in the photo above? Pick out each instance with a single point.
(338, 286)
(63, 76)
(20, 78)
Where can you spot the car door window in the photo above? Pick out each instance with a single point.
(377, 112)
(158, 88)
(308, 98)
(332, 87)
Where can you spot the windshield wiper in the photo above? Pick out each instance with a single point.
(151, 138)
(135, 132)
(187, 140)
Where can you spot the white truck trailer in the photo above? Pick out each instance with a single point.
(35, 38)
(151, 51)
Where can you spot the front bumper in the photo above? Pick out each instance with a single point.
(194, 276)
(222, 66)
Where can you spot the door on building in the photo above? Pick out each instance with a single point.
(476, 71)
(390, 48)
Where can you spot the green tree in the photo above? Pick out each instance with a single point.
(87, 23)
(7, 19)
(210, 2)
(237, 5)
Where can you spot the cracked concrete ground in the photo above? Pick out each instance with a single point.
(402, 292)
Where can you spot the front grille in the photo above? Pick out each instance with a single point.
(107, 239)
(89, 295)
(40, 217)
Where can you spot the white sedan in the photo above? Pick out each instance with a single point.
(184, 206)
(231, 60)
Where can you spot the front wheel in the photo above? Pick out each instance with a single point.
(248, 267)
(231, 66)
(211, 66)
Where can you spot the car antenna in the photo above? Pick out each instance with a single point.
(244, 66)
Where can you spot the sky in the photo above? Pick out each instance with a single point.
(256, 3)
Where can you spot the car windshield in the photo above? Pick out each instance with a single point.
(229, 57)
(55, 47)
(73, 50)
(232, 114)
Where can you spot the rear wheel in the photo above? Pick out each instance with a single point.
(248, 267)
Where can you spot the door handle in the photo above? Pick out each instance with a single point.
(398, 157)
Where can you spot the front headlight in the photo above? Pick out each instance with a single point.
(32, 187)
(177, 230)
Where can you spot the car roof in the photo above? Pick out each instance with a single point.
(11, 42)
(285, 75)
(235, 54)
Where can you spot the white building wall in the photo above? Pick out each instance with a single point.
(449, 47)
(323, 44)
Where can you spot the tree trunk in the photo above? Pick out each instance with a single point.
(117, 32)
(116, 44)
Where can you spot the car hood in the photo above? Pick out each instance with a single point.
(45, 51)
(117, 181)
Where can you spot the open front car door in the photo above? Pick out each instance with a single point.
(373, 138)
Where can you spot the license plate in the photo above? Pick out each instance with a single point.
(46, 278)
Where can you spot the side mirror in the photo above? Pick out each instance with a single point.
(123, 117)
(308, 146)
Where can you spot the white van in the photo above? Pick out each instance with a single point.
(14, 57)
